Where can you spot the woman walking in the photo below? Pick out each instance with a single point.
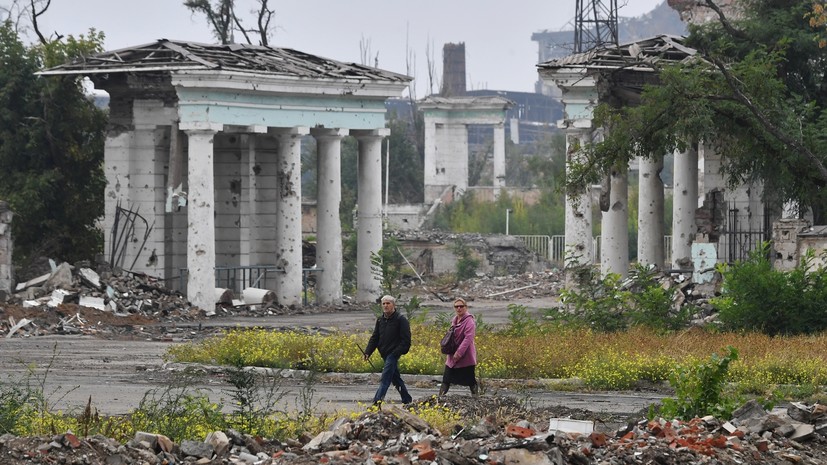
(460, 367)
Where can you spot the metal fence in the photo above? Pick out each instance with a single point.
(553, 248)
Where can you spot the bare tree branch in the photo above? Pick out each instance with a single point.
(35, 15)
(241, 28)
(219, 18)
(265, 15)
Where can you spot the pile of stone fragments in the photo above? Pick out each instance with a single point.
(397, 436)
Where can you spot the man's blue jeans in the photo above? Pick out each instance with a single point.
(390, 375)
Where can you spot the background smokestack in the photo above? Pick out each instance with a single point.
(453, 70)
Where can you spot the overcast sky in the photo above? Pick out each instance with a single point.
(499, 51)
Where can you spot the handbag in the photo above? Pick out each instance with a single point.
(448, 345)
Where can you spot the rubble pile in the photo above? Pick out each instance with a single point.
(535, 284)
(394, 435)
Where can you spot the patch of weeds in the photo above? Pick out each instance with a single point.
(14, 401)
(178, 411)
(466, 263)
(652, 303)
(520, 323)
(438, 416)
(598, 302)
(414, 310)
(699, 389)
(254, 398)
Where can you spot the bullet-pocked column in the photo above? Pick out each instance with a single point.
(499, 158)
(578, 209)
(328, 223)
(201, 217)
(288, 283)
(650, 212)
(614, 232)
(251, 214)
(369, 215)
(684, 204)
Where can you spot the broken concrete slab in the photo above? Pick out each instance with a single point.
(567, 425)
(92, 302)
(32, 282)
(89, 277)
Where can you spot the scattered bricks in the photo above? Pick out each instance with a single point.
(427, 454)
(762, 445)
(519, 432)
(718, 441)
(71, 440)
(654, 427)
(597, 439)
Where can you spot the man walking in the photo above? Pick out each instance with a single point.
(392, 336)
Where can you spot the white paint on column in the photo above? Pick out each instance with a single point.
(117, 151)
(369, 235)
(684, 203)
(288, 286)
(328, 223)
(201, 220)
(499, 159)
(614, 237)
(650, 212)
(578, 210)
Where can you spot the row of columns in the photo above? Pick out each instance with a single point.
(128, 159)
(614, 221)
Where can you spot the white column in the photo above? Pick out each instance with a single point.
(432, 190)
(650, 212)
(499, 159)
(117, 151)
(614, 233)
(328, 223)
(250, 218)
(200, 217)
(369, 196)
(578, 209)
(288, 283)
(684, 203)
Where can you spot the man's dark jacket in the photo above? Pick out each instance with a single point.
(390, 335)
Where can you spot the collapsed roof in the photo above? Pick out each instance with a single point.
(169, 55)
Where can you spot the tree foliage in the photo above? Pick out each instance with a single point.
(755, 92)
(51, 149)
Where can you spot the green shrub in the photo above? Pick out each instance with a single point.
(598, 302)
(653, 304)
(755, 297)
(699, 389)
(466, 264)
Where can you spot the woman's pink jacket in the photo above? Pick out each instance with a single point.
(464, 332)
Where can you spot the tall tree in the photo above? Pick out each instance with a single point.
(225, 22)
(756, 91)
(51, 149)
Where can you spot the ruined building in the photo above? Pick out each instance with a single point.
(202, 161)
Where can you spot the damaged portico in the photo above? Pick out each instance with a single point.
(203, 164)
(711, 222)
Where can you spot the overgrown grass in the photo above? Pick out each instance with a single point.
(606, 361)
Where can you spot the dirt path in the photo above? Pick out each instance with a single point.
(116, 374)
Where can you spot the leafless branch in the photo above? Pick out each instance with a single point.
(265, 15)
(35, 15)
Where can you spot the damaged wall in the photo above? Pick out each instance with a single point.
(431, 253)
(6, 270)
